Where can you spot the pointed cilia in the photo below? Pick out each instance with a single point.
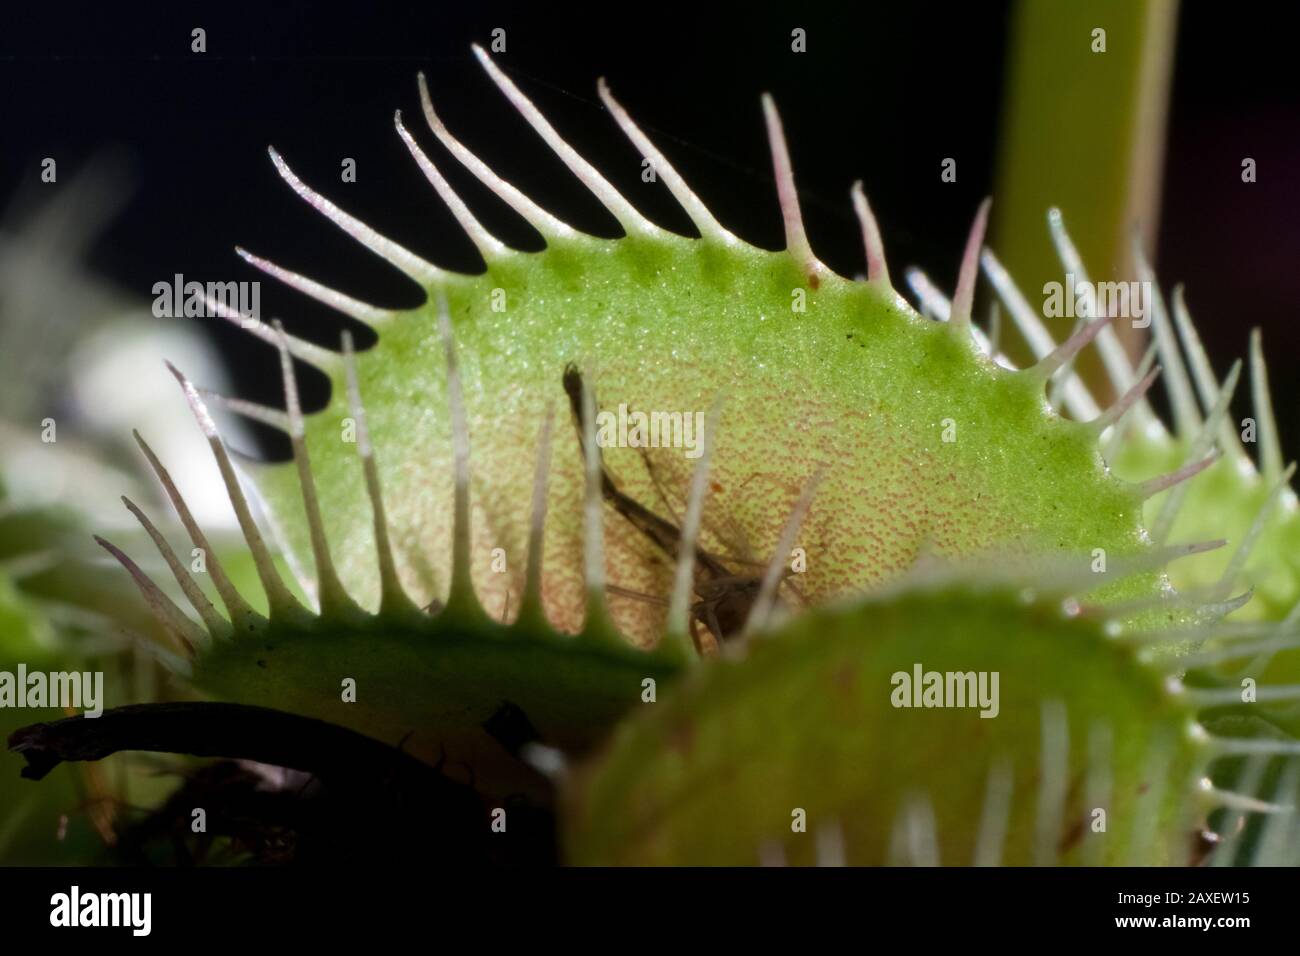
(1025, 789)
(796, 239)
(867, 449)
(517, 303)
(393, 600)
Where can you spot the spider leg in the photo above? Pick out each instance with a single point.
(653, 471)
(713, 585)
(714, 626)
(695, 635)
(704, 634)
(635, 595)
(797, 593)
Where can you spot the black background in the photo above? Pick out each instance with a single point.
(883, 91)
(522, 909)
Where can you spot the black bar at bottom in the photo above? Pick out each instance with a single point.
(544, 908)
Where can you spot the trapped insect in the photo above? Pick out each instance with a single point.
(726, 598)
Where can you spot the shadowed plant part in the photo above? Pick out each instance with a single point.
(62, 610)
(462, 556)
(389, 797)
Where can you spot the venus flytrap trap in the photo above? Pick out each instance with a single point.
(878, 442)
(1106, 759)
(811, 719)
(1247, 499)
(460, 666)
(854, 367)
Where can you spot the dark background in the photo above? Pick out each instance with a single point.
(883, 91)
